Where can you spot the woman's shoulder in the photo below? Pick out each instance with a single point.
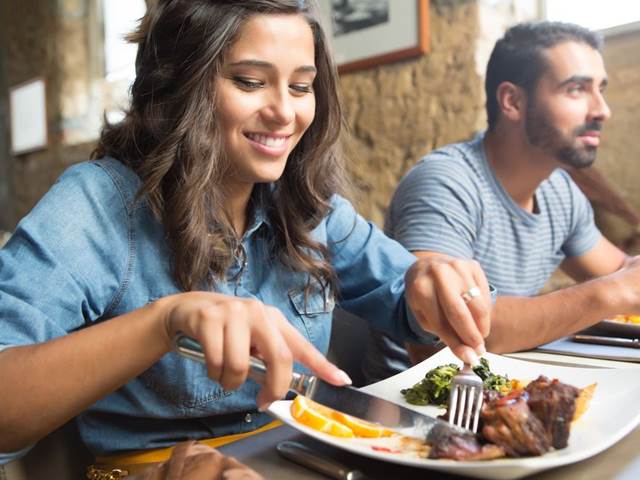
(104, 179)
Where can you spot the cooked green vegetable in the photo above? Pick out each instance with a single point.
(490, 380)
(434, 388)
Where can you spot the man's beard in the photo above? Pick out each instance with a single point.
(542, 134)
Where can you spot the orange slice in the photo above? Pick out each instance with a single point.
(336, 423)
(318, 417)
(362, 428)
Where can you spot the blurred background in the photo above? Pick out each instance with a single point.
(397, 110)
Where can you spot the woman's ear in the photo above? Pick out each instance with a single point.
(512, 101)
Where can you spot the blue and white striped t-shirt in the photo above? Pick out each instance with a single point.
(452, 203)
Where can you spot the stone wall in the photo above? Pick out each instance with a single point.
(399, 112)
(619, 153)
(52, 40)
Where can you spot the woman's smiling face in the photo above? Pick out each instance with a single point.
(264, 96)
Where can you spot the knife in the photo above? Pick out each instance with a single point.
(613, 341)
(298, 453)
(346, 399)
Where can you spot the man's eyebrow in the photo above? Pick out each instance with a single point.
(263, 64)
(582, 79)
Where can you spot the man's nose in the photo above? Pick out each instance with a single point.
(600, 110)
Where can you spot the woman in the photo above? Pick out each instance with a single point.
(211, 210)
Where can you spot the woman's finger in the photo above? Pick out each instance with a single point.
(277, 357)
(473, 278)
(450, 286)
(237, 341)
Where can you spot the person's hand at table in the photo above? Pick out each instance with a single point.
(194, 461)
(450, 298)
(230, 329)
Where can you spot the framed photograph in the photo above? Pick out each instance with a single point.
(366, 33)
(28, 116)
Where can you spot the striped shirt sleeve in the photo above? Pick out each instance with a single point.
(436, 208)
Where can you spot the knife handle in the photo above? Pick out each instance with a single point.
(298, 453)
(190, 348)
(613, 341)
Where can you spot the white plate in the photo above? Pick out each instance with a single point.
(611, 415)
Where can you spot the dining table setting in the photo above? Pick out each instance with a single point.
(602, 443)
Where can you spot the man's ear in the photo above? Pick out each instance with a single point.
(512, 101)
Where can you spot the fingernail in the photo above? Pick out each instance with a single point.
(481, 350)
(342, 376)
(263, 408)
(470, 357)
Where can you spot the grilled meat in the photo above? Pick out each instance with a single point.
(554, 403)
(509, 423)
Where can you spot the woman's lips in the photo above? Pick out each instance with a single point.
(274, 145)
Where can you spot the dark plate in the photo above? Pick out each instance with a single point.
(614, 328)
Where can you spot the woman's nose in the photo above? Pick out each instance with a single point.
(280, 109)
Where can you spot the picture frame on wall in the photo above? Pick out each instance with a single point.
(366, 33)
(28, 116)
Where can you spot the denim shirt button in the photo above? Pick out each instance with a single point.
(248, 418)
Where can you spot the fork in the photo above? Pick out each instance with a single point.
(465, 399)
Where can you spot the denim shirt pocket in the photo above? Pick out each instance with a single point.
(315, 312)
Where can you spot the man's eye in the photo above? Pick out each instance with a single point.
(576, 88)
(302, 87)
(248, 83)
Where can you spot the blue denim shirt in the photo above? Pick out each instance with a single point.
(90, 251)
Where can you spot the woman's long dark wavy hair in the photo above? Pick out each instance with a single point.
(170, 138)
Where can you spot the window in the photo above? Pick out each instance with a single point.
(120, 18)
(593, 14)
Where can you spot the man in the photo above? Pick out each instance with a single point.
(502, 200)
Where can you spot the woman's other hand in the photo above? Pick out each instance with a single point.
(450, 298)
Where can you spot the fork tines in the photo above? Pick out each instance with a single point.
(465, 399)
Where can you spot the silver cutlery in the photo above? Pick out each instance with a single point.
(346, 399)
(298, 453)
(465, 399)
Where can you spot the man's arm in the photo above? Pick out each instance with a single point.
(603, 259)
(519, 323)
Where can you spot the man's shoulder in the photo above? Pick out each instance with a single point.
(456, 163)
(463, 154)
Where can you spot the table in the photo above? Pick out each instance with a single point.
(620, 462)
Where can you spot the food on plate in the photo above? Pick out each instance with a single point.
(435, 387)
(583, 400)
(627, 318)
(335, 423)
(519, 419)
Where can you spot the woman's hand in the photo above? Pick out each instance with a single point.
(230, 329)
(437, 290)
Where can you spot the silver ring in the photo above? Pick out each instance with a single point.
(470, 294)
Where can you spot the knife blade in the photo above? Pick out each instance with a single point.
(613, 341)
(345, 399)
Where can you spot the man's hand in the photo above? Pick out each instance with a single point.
(437, 290)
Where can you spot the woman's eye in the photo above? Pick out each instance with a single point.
(302, 87)
(248, 83)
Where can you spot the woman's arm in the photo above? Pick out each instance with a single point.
(55, 380)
